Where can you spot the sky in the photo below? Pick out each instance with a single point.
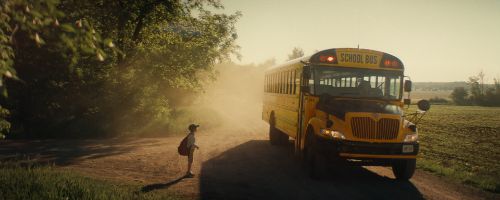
(437, 40)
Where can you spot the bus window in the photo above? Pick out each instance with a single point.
(381, 84)
(298, 74)
(279, 83)
(373, 81)
(275, 83)
(282, 82)
(288, 82)
(265, 83)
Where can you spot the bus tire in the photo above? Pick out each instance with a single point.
(404, 169)
(314, 163)
(273, 131)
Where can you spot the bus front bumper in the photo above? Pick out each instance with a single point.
(361, 150)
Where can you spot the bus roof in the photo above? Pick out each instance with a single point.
(348, 57)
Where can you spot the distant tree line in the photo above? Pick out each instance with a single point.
(102, 68)
(438, 86)
(477, 93)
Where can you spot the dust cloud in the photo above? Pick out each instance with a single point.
(234, 101)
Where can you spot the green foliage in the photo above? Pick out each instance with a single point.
(4, 124)
(47, 183)
(459, 96)
(76, 83)
(480, 93)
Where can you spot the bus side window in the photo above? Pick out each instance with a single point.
(297, 83)
(284, 82)
(288, 82)
(265, 83)
(285, 76)
(293, 82)
(278, 82)
(274, 83)
(282, 91)
(271, 83)
(282, 85)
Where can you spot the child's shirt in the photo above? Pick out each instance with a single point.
(191, 141)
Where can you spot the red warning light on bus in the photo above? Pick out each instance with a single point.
(330, 58)
(327, 58)
(391, 63)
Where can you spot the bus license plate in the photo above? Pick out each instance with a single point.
(407, 148)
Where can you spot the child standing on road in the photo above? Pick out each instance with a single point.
(191, 145)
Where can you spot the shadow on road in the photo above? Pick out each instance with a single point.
(257, 170)
(157, 186)
(63, 152)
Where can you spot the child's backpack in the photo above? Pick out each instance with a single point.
(183, 149)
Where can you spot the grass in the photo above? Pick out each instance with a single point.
(45, 182)
(462, 142)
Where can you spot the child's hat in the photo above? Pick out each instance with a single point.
(193, 126)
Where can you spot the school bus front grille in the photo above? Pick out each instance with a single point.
(368, 128)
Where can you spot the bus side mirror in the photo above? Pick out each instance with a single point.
(424, 105)
(407, 86)
(407, 101)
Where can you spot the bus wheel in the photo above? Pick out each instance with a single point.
(314, 163)
(404, 169)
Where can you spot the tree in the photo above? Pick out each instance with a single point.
(475, 88)
(30, 30)
(164, 52)
(459, 95)
(297, 52)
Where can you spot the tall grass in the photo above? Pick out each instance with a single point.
(44, 182)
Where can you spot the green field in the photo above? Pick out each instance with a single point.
(462, 143)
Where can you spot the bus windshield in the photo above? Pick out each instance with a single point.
(358, 83)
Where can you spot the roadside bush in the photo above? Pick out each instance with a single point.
(460, 96)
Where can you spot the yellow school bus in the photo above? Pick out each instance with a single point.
(343, 106)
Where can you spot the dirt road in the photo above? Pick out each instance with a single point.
(236, 162)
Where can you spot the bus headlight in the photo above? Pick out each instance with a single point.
(411, 137)
(332, 134)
